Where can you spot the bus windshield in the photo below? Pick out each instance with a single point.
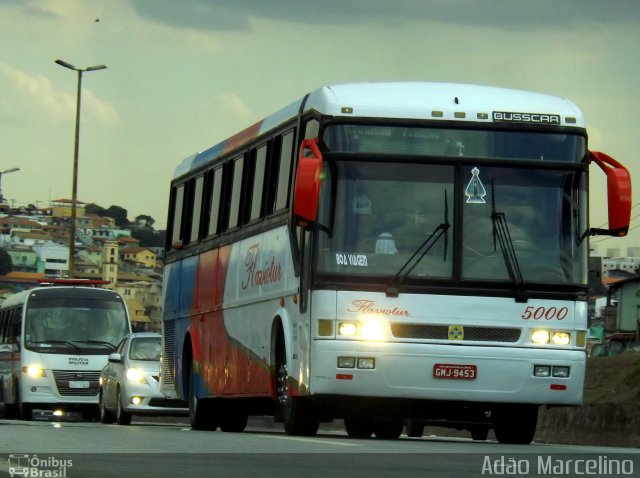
(64, 325)
(497, 144)
(374, 216)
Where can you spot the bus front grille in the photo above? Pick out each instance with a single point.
(468, 334)
(77, 383)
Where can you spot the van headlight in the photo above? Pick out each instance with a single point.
(34, 371)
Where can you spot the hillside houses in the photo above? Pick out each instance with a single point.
(39, 249)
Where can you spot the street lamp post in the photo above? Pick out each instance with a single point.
(74, 188)
(6, 171)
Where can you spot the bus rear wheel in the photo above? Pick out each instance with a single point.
(298, 413)
(201, 412)
(233, 417)
(358, 427)
(388, 429)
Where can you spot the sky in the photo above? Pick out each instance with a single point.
(183, 75)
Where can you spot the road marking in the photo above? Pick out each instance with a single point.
(313, 440)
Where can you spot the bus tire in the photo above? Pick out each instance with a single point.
(516, 425)
(298, 413)
(106, 416)
(233, 418)
(122, 417)
(414, 428)
(201, 416)
(388, 429)
(358, 427)
(479, 432)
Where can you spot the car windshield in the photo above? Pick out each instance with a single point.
(145, 348)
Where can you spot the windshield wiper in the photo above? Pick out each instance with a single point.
(63, 342)
(502, 236)
(98, 342)
(421, 251)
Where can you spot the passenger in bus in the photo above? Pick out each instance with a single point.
(385, 244)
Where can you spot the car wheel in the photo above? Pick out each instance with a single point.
(122, 417)
(105, 415)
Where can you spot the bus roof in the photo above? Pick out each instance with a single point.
(408, 100)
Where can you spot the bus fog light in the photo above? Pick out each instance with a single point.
(540, 336)
(541, 371)
(561, 338)
(561, 372)
(367, 363)
(346, 362)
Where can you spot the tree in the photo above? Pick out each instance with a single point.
(148, 220)
(149, 237)
(94, 209)
(6, 265)
(119, 214)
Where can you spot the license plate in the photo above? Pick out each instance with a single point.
(455, 371)
(78, 384)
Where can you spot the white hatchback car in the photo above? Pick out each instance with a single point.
(130, 382)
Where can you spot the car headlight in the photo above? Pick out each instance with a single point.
(34, 371)
(135, 375)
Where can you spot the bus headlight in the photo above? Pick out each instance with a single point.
(372, 328)
(135, 375)
(34, 371)
(561, 338)
(368, 328)
(540, 336)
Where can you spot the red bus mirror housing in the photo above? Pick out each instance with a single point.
(618, 195)
(307, 189)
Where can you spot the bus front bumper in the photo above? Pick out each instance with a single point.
(448, 372)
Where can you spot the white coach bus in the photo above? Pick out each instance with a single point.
(386, 252)
(54, 342)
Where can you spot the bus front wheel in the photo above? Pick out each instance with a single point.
(298, 414)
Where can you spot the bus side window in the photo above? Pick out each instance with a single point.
(236, 192)
(196, 207)
(212, 200)
(177, 199)
(284, 172)
(256, 183)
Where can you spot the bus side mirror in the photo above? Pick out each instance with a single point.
(618, 195)
(307, 189)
